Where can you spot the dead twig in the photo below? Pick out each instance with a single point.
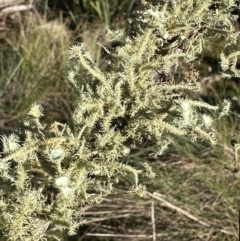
(158, 197)
(153, 221)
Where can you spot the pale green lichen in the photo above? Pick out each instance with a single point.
(55, 172)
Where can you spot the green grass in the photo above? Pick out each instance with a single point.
(33, 65)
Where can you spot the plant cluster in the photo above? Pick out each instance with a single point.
(49, 176)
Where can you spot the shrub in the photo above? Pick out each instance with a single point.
(48, 178)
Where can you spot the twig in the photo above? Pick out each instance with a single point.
(139, 236)
(116, 235)
(180, 210)
(107, 218)
(17, 8)
(153, 221)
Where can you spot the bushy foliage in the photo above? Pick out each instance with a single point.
(48, 178)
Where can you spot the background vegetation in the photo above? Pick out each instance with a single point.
(193, 197)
